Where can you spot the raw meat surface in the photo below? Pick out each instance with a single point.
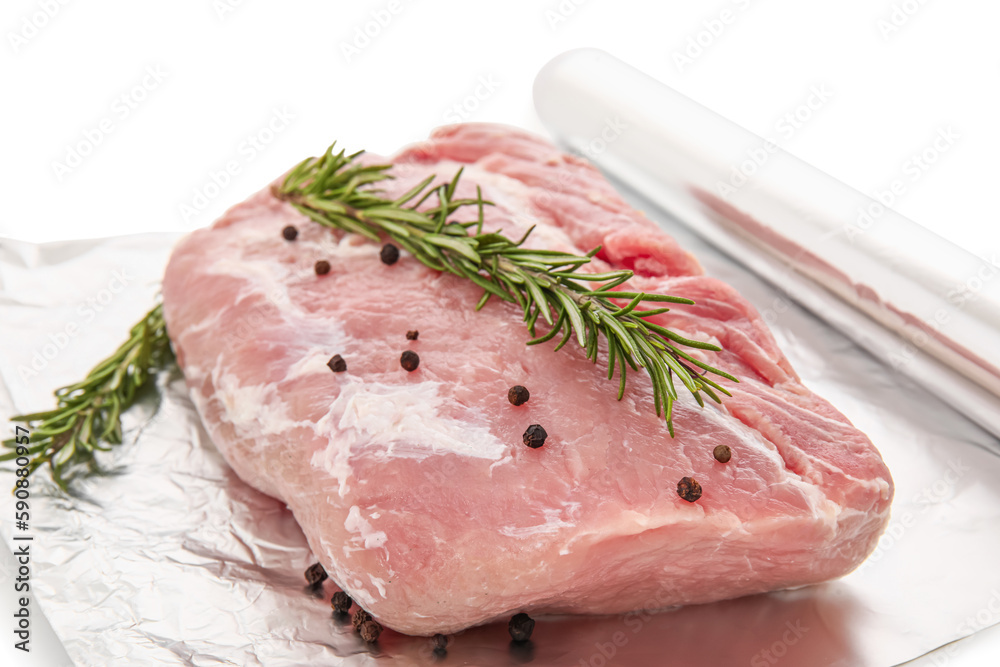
(414, 488)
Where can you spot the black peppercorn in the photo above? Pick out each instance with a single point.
(337, 364)
(440, 643)
(722, 453)
(290, 233)
(535, 436)
(315, 574)
(360, 618)
(689, 489)
(412, 335)
(370, 630)
(520, 627)
(341, 602)
(322, 267)
(409, 360)
(518, 395)
(389, 254)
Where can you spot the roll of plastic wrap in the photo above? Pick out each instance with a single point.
(927, 307)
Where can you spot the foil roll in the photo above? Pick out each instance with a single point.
(928, 307)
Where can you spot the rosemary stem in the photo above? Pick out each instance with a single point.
(89, 412)
(330, 190)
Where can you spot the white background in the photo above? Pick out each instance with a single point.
(895, 72)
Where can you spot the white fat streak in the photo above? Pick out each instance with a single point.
(379, 584)
(350, 245)
(555, 520)
(364, 536)
(210, 322)
(315, 360)
(359, 592)
(367, 537)
(271, 277)
(401, 421)
(345, 577)
(256, 409)
(259, 409)
(346, 246)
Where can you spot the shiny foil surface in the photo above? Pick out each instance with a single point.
(164, 557)
(932, 307)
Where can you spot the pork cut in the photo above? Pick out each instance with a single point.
(415, 490)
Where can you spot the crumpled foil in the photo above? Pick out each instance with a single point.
(165, 557)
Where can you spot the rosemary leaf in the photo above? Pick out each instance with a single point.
(88, 413)
(336, 191)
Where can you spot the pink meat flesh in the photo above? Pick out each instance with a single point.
(414, 488)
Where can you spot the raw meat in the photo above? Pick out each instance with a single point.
(414, 488)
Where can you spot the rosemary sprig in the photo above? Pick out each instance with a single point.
(336, 191)
(88, 413)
